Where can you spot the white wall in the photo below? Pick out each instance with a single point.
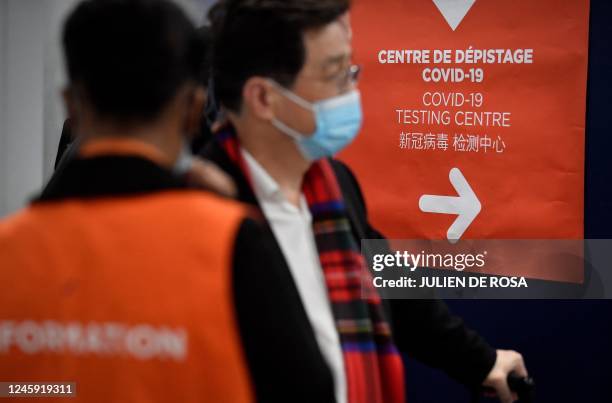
(31, 78)
(3, 30)
(31, 113)
(22, 100)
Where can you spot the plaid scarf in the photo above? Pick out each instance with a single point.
(373, 366)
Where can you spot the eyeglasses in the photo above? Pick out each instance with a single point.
(354, 73)
(351, 77)
(348, 78)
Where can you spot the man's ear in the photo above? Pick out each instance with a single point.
(260, 98)
(74, 108)
(195, 111)
(69, 103)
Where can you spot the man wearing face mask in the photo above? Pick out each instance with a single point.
(283, 74)
(120, 278)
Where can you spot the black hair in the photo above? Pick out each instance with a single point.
(130, 57)
(206, 39)
(263, 38)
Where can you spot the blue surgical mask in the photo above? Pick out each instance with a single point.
(338, 121)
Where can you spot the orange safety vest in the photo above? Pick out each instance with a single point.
(129, 297)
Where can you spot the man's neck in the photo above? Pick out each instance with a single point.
(154, 135)
(278, 155)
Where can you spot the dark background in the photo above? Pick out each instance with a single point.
(567, 345)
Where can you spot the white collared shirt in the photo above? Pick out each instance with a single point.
(292, 228)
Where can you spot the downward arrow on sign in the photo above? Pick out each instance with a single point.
(467, 205)
(454, 11)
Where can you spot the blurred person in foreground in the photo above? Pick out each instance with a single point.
(120, 278)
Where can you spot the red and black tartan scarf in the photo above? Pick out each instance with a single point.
(373, 366)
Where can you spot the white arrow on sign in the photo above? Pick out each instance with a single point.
(454, 11)
(466, 205)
